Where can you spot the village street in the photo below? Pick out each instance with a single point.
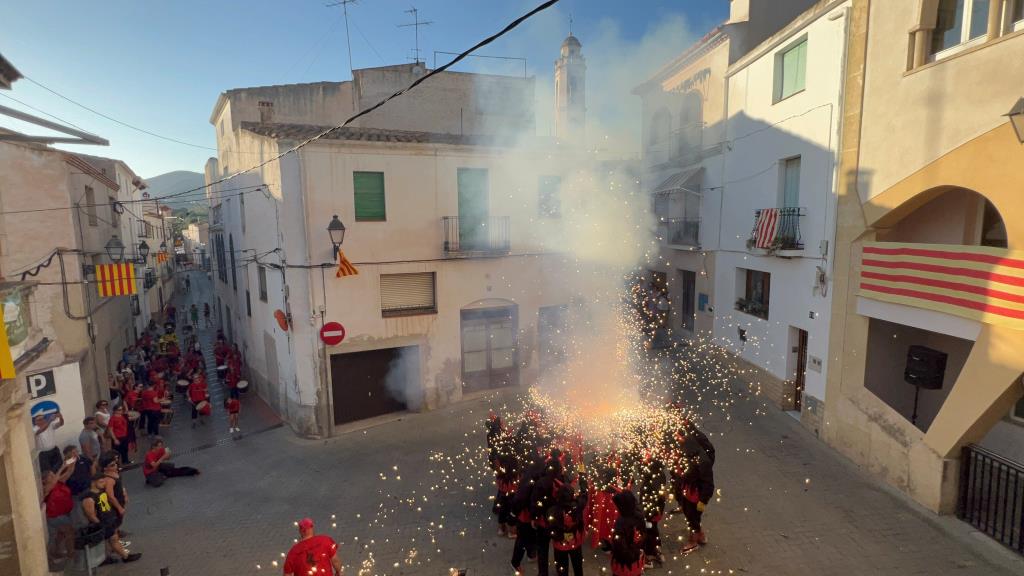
(409, 494)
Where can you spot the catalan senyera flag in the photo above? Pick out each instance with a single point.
(116, 280)
(6, 361)
(345, 268)
(161, 257)
(975, 282)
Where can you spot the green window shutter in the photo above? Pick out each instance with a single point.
(369, 196)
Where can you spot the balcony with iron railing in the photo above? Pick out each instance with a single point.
(777, 230)
(467, 238)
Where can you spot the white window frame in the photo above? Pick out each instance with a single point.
(1017, 25)
(965, 35)
(779, 72)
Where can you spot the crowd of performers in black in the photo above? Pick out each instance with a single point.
(556, 492)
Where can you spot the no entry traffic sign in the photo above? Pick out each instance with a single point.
(332, 333)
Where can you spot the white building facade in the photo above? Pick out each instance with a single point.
(774, 264)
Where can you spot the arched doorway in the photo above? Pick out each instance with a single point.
(489, 333)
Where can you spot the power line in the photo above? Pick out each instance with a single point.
(462, 56)
(31, 107)
(115, 120)
(246, 190)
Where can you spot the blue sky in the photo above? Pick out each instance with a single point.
(161, 65)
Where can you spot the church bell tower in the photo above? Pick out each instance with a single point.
(571, 93)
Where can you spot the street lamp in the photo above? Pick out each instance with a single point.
(143, 252)
(1016, 116)
(337, 231)
(115, 248)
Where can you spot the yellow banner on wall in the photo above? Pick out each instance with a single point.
(115, 280)
(6, 361)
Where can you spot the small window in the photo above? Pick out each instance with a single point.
(756, 293)
(115, 218)
(90, 206)
(958, 22)
(407, 294)
(549, 197)
(791, 70)
(369, 196)
(790, 185)
(261, 276)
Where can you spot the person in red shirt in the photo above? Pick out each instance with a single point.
(156, 467)
(118, 426)
(197, 393)
(59, 505)
(234, 406)
(150, 408)
(312, 555)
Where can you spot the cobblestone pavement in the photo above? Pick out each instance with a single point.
(401, 492)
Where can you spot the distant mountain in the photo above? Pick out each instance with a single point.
(174, 182)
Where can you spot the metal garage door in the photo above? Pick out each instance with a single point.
(360, 382)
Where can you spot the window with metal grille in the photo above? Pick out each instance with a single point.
(408, 294)
(369, 196)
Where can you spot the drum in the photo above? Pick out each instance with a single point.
(242, 385)
(182, 384)
(133, 416)
(202, 405)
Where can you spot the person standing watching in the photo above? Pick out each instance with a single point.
(45, 427)
(698, 488)
(100, 514)
(150, 406)
(102, 416)
(119, 433)
(312, 554)
(59, 504)
(89, 440)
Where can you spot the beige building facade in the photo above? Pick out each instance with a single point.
(452, 212)
(929, 224)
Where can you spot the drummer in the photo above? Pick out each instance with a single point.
(197, 393)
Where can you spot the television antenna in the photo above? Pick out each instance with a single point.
(416, 25)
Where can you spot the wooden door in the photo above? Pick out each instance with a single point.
(801, 370)
(363, 384)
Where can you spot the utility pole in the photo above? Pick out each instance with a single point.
(348, 41)
(416, 26)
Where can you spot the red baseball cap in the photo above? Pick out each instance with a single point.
(305, 524)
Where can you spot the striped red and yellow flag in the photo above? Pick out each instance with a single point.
(161, 257)
(976, 282)
(6, 360)
(345, 268)
(115, 280)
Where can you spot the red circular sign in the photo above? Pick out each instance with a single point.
(332, 333)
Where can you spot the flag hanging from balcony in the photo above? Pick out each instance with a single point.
(161, 257)
(345, 268)
(6, 361)
(766, 227)
(115, 280)
(976, 282)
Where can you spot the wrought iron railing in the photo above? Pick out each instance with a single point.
(992, 496)
(777, 229)
(475, 236)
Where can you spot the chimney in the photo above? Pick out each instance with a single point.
(266, 112)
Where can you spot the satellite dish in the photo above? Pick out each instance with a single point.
(417, 69)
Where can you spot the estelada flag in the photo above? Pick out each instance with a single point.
(345, 268)
(6, 361)
(115, 280)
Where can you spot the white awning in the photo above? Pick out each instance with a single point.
(688, 180)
